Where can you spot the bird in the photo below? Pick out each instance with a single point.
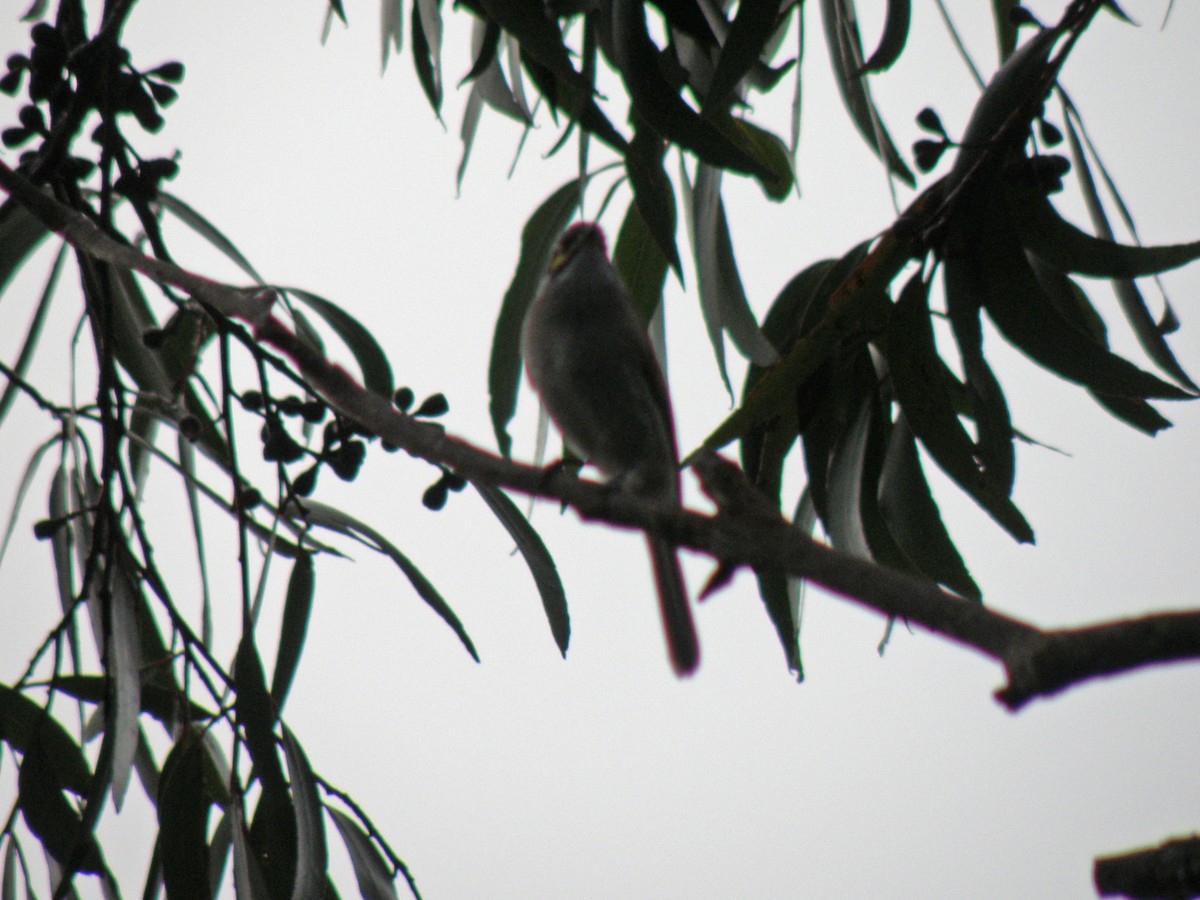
(590, 361)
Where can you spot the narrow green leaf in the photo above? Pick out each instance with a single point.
(913, 516)
(329, 517)
(1015, 301)
(894, 37)
(717, 272)
(1006, 31)
(696, 218)
(921, 388)
(123, 664)
(1069, 249)
(62, 548)
(312, 855)
(183, 809)
(187, 464)
(372, 361)
(538, 238)
(652, 192)
(159, 702)
(494, 90)
(845, 52)
(218, 853)
(370, 869)
(472, 111)
(798, 90)
(537, 558)
(1132, 304)
(8, 880)
(426, 50)
(656, 101)
(858, 303)
(21, 720)
(776, 176)
(34, 333)
(843, 520)
(248, 880)
(297, 608)
(48, 814)
(764, 448)
(752, 27)
(27, 477)
(20, 234)
(485, 45)
(1024, 77)
(256, 715)
(639, 261)
(205, 229)
(391, 30)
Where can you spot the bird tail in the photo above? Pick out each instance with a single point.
(680, 629)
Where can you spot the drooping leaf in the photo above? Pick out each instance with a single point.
(256, 715)
(894, 37)
(205, 229)
(1015, 301)
(248, 880)
(1006, 31)
(297, 607)
(48, 814)
(329, 517)
(1132, 303)
(1017, 87)
(843, 520)
(913, 516)
(764, 448)
(966, 289)
(658, 103)
(312, 855)
(123, 662)
(485, 44)
(34, 333)
(472, 112)
(20, 234)
(391, 30)
(372, 361)
(917, 376)
(1070, 249)
(652, 191)
(717, 270)
(845, 52)
(370, 869)
(688, 17)
(21, 720)
(27, 479)
(639, 261)
(538, 238)
(426, 50)
(752, 27)
(776, 176)
(164, 705)
(537, 557)
(710, 307)
(183, 809)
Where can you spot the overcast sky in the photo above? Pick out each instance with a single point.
(528, 776)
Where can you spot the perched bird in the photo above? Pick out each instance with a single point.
(589, 358)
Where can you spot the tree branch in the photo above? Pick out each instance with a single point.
(743, 532)
(1170, 870)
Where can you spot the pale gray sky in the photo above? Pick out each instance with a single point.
(602, 776)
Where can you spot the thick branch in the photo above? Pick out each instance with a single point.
(1170, 870)
(742, 533)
